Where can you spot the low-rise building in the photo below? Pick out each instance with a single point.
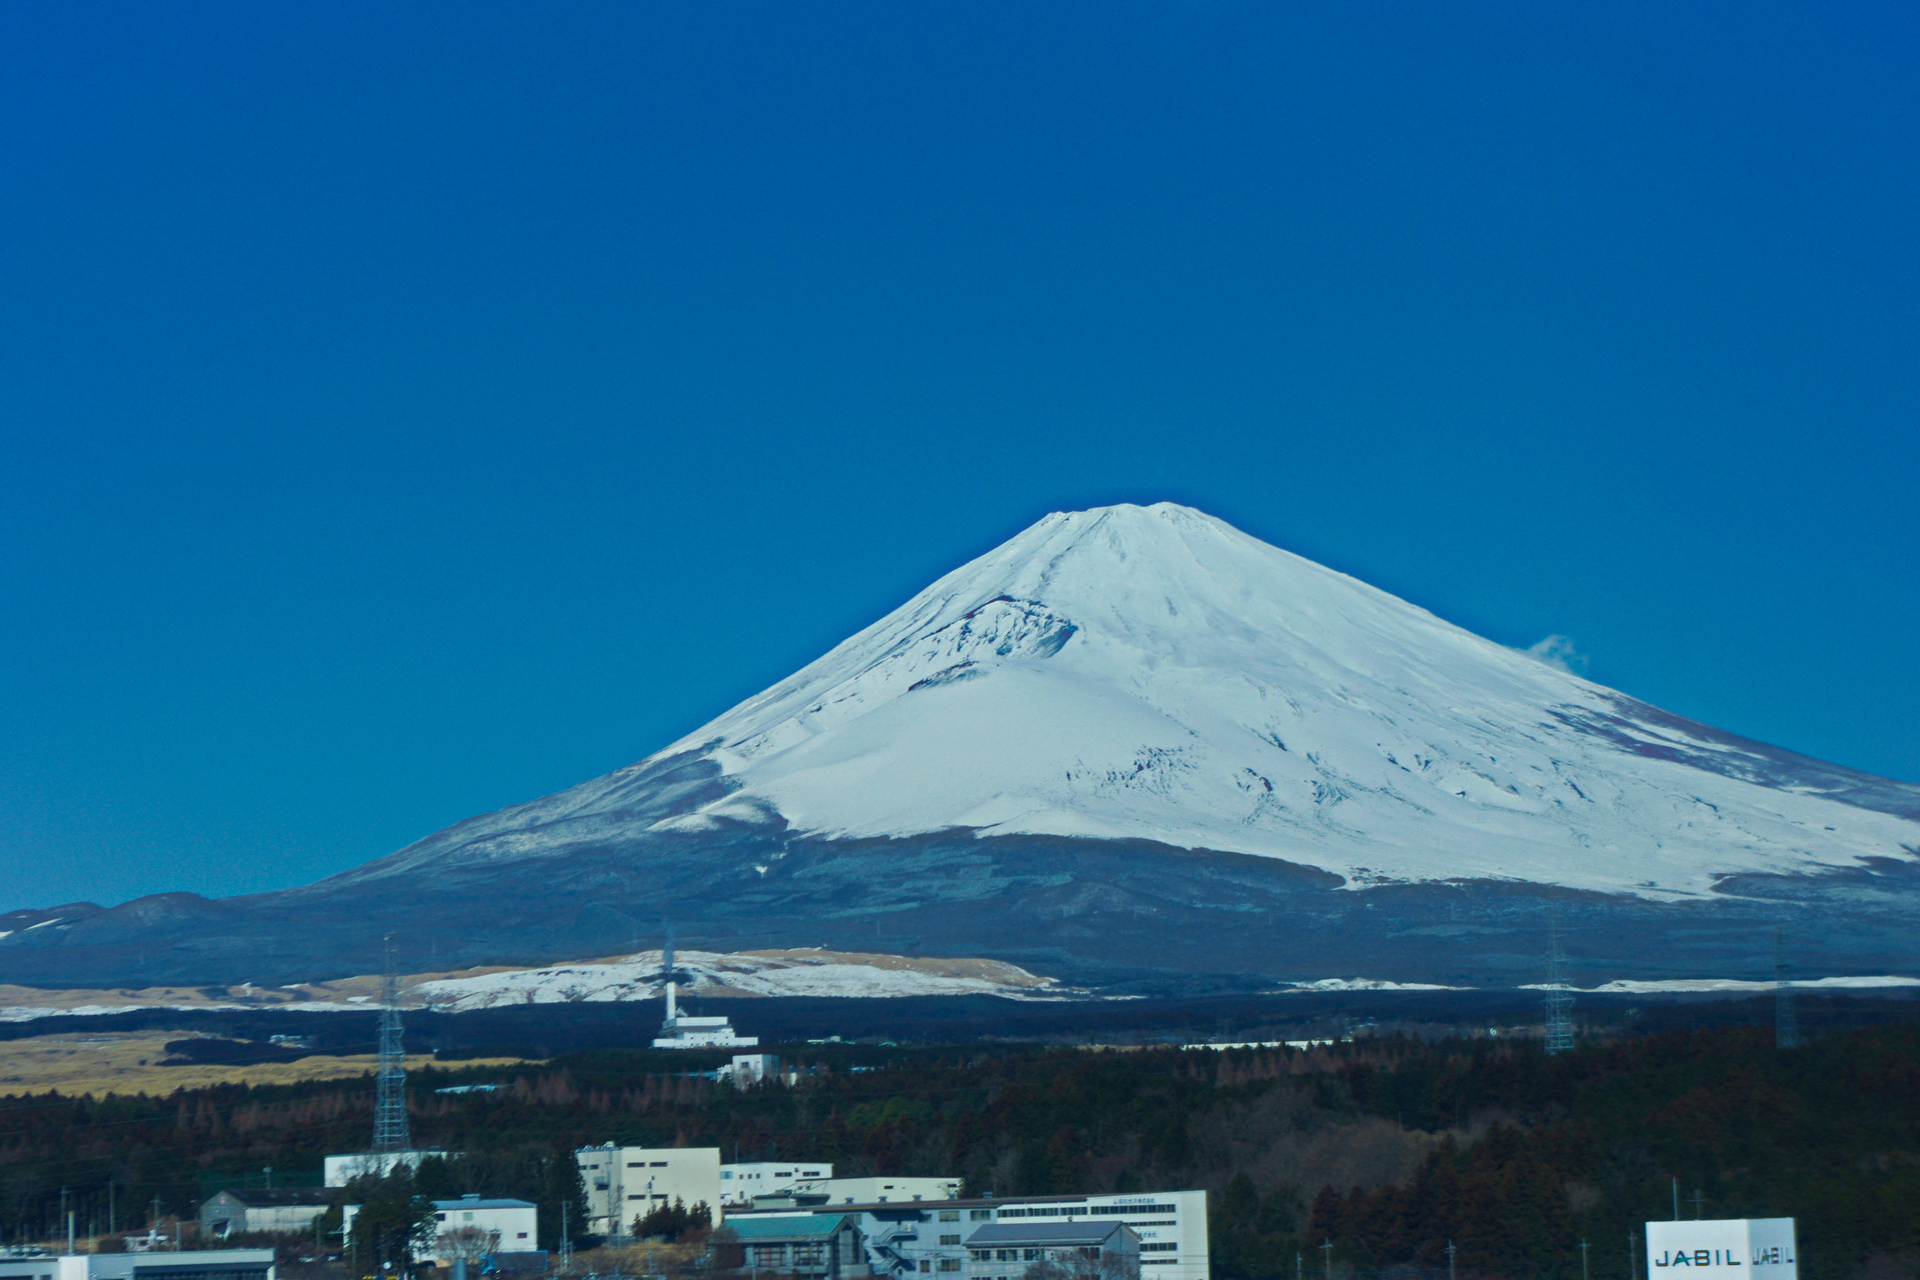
(911, 1238)
(189, 1264)
(473, 1225)
(240, 1210)
(1004, 1250)
(624, 1183)
(510, 1226)
(823, 1246)
(889, 1190)
(340, 1170)
(740, 1183)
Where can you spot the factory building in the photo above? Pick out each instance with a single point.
(191, 1264)
(624, 1183)
(237, 1211)
(740, 1183)
(340, 1170)
(504, 1226)
(913, 1238)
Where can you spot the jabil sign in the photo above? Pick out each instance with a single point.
(1722, 1249)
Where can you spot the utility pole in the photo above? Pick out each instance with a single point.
(1786, 1028)
(1633, 1256)
(1583, 1259)
(1449, 1260)
(1299, 1266)
(1698, 1196)
(1676, 1199)
(1327, 1250)
(110, 1221)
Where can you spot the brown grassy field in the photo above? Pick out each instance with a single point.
(130, 1062)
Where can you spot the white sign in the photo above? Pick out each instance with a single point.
(1722, 1249)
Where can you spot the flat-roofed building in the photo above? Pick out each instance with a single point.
(740, 1183)
(927, 1238)
(188, 1264)
(891, 1190)
(624, 1183)
(340, 1170)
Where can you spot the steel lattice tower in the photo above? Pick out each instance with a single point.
(1786, 1028)
(390, 1099)
(1559, 996)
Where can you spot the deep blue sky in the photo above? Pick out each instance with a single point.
(407, 410)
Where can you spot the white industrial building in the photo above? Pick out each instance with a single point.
(889, 1190)
(509, 1226)
(683, 1031)
(623, 1183)
(740, 1183)
(340, 1170)
(191, 1264)
(908, 1238)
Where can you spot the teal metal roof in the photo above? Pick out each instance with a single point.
(799, 1226)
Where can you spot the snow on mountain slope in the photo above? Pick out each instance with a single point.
(1151, 672)
(765, 973)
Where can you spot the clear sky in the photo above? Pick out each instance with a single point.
(408, 410)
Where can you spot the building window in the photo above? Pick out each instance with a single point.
(925, 1265)
(949, 1264)
(980, 1215)
(1171, 1246)
(658, 1164)
(949, 1239)
(949, 1215)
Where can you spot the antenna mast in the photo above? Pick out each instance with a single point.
(1559, 997)
(1786, 1028)
(390, 1099)
(673, 1010)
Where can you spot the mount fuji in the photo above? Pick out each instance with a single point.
(1134, 744)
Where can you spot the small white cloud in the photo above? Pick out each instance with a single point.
(1558, 651)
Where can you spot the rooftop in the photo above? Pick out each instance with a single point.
(1050, 1232)
(262, 1197)
(785, 1226)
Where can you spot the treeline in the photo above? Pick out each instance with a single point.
(1361, 1157)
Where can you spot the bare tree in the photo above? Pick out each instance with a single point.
(1076, 1265)
(466, 1244)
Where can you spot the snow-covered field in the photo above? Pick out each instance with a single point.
(1678, 986)
(754, 973)
(1151, 672)
(807, 972)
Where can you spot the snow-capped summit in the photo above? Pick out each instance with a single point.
(1154, 673)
